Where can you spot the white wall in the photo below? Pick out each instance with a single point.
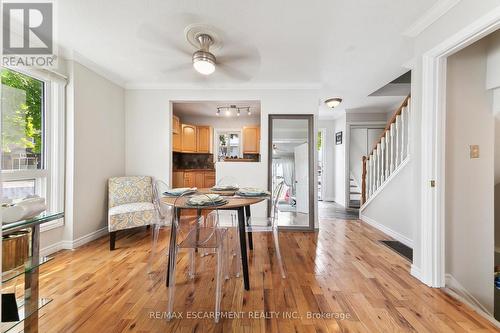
(470, 182)
(95, 134)
(148, 117)
(339, 162)
(389, 210)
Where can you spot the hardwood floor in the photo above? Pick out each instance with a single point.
(341, 271)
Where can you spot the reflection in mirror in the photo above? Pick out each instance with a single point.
(290, 165)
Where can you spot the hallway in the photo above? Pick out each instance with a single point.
(332, 210)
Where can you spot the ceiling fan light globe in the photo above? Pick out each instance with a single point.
(204, 62)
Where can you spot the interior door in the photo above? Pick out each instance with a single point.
(302, 178)
(357, 149)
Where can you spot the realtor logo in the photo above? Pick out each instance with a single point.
(28, 34)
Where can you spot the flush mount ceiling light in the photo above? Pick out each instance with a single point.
(333, 102)
(203, 60)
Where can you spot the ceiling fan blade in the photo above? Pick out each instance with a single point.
(160, 40)
(179, 68)
(232, 72)
(233, 58)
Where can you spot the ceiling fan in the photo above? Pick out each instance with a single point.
(236, 60)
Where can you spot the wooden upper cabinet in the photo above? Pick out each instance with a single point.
(189, 144)
(204, 139)
(251, 140)
(176, 142)
(176, 125)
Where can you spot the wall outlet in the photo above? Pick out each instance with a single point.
(474, 151)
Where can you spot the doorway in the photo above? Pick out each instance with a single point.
(362, 138)
(291, 170)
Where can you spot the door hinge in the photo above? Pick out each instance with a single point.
(433, 183)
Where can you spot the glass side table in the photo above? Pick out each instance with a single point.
(28, 305)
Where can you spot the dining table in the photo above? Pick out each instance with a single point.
(233, 202)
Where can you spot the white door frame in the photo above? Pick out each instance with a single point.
(322, 130)
(432, 240)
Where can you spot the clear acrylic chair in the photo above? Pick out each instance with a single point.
(270, 224)
(208, 235)
(164, 214)
(229, 219)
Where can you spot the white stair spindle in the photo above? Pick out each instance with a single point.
(398, 134)
(403, 125)
(391, 130)
(372, 165)
(408, 109)
(387, 153)
(378, 165)
(382, 160)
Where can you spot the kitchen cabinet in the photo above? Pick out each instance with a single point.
(209, 179)
(204, 139)
(189, 139)
(251, 140)
(177, 179)
(176, 125)
(199, 179)
(193, 178)
(189, 179)
(176, 142)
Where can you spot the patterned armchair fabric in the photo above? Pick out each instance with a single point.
(130, 201)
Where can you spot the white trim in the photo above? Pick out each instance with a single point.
(384, 184)
(429, 17)
(255, 86)
(52, 225)
(89, 237)
(71, 245)
(415, 272)
(386, 230)
(457, 291)
(432, 238)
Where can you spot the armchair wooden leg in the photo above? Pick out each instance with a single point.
(112, 239)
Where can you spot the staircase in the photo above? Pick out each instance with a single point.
(388, 155)
(354, 194)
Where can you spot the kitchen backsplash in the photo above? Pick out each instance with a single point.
(192, 161)
(255, 157)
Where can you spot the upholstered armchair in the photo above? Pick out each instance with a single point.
(130, 204)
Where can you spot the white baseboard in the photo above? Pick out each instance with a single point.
(415, 272)
(89, 237)
(456, 290)
(397, 236)
(70, 245)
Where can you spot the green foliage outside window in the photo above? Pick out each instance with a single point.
(22, 123)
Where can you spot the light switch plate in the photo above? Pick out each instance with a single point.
(474, 151)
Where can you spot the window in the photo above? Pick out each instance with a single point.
(32, 132)
(22, 119)
(228, 145)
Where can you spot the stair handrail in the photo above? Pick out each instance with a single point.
(379, 147)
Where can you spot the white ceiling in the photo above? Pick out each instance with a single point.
(344, 48)
(209, 108)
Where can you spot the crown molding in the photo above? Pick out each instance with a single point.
(429, 17)
(108, 75)
(255, 86)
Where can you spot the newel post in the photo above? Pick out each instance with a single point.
(363, 181)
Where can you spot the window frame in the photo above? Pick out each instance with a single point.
(219, 131)
(49, 180)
